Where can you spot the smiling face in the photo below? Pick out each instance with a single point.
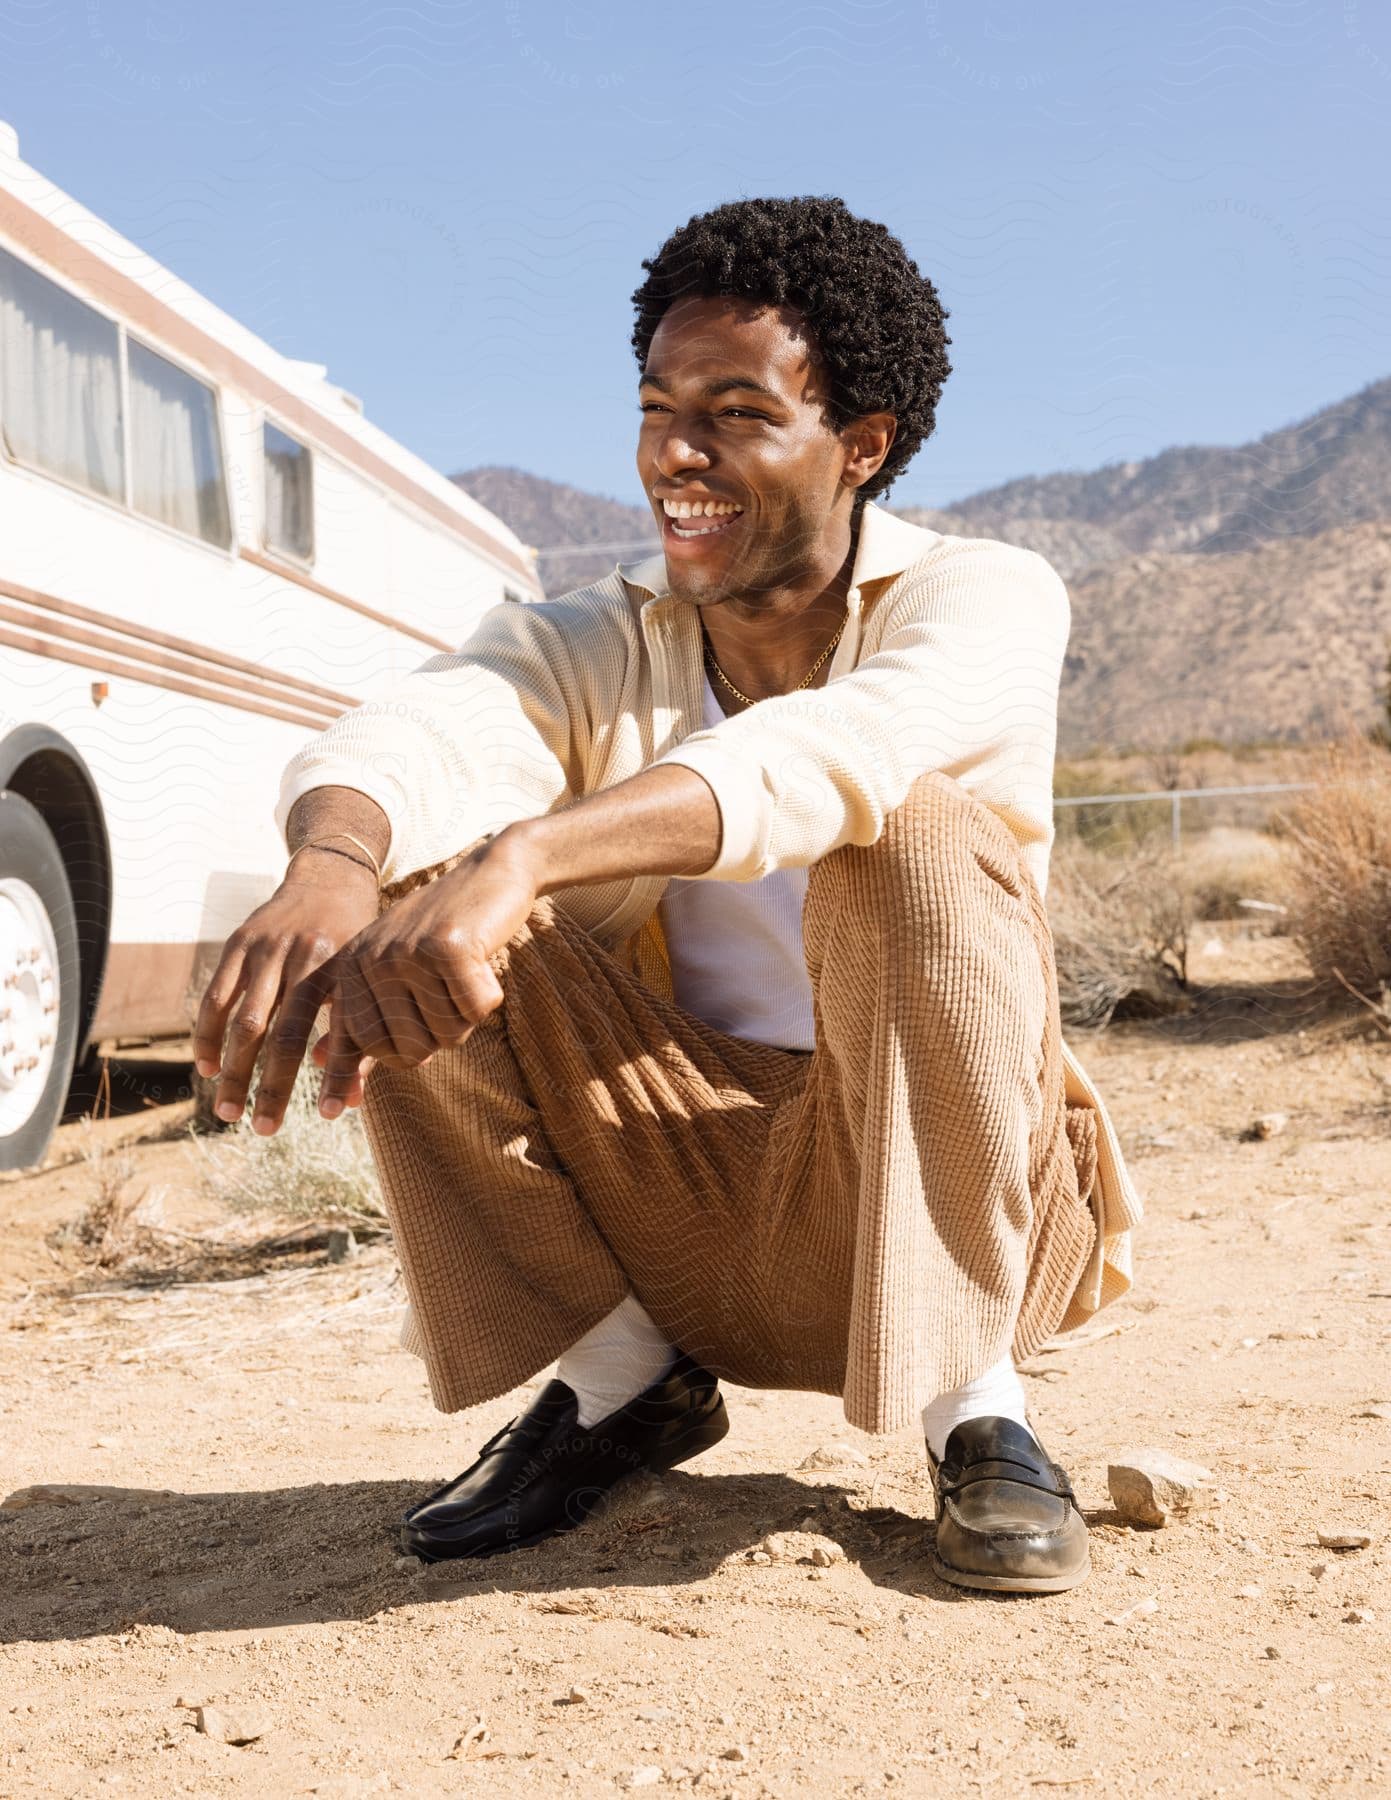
(751, 483)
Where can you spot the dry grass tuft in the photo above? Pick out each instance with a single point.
(290, 1194)
(118, 1225)
(1340, 838)
(310, 1169)
(124, 1232)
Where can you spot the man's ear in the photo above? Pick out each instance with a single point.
(867, 442)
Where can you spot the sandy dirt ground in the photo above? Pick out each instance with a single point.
(236, 1453)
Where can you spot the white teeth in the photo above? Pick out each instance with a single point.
(698, 509)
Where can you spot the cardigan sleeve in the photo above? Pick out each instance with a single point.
(960, 675)
(467, 743)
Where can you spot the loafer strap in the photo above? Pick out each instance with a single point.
(531, 1426)
(1048, 1477)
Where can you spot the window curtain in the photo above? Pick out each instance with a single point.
(60, 385)
(176, 456)
(289, 491)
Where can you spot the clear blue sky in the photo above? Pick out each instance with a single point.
(1153, 225)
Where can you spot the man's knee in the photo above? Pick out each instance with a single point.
(933, 852)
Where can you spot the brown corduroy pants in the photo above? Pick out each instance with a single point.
(882, 1218)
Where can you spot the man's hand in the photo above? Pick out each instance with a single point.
(418, 980)
(279, 964)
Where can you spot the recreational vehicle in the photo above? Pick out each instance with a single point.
(206, 554)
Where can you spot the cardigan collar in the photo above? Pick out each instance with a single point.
(887, 545)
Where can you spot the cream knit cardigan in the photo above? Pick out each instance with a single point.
(950, 660)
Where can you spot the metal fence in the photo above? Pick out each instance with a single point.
(1173, 799)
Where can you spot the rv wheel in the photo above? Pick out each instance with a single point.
(40, 995)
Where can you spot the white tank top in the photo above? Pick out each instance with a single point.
(736, 949)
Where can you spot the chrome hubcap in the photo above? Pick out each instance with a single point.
(29, 1000)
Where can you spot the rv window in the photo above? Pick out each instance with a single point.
(289, 495)
(60, 382)
(175, 448)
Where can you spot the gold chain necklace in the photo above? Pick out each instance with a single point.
(748, 699)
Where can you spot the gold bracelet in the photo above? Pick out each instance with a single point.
(347, 837)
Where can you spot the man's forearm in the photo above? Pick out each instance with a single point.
(324, 812)
(665, 821)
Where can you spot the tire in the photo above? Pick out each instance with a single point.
(40, 984)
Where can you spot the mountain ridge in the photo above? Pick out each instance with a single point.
(1331, 468)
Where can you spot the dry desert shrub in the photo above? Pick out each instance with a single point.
(1120, 932)
(1340, 873)
(308, 1169)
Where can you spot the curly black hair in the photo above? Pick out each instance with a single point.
(876, 322)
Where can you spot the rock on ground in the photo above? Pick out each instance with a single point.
(227, 1725)
(1150, 1486)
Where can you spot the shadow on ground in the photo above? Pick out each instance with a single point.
(108, 1560)
(1241, 1012)
(132, 1084)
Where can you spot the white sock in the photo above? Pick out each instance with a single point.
(615, 1361)
(998, 1392)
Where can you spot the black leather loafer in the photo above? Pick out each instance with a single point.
(1007, 1518)
(544, 1473)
